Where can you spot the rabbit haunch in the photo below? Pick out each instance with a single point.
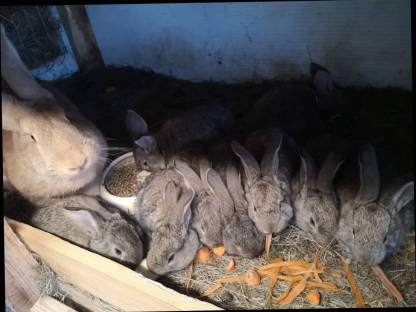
(49, 148)
(186, 131)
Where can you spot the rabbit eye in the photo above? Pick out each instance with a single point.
(144, 163)
(117, 251)
(312, 221)
(32, 137)
(171, 258)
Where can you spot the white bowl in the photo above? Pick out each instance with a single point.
(127, 204)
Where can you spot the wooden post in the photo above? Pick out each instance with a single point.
(81, 36)
(20, 273)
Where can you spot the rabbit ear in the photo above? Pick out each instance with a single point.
(270, 160)
(251, 167)
(170, 195)
(204, 166)
(17, 76)
(12, 112)
(220, 191)
(184, 206)
(369, 175)
(191, 178)
(86, 221)
(136, 125)
(307, 171)
(147, 143)
(328, 170)
(234, 185)
(400, 198)
(323, 80)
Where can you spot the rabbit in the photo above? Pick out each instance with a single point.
(267, 187)
(315, 202)
(82, 219)
(174, 242)
(194, 127)
(206, 208)
(49, 148)
(372, 224)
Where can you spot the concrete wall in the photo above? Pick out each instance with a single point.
(363, 42)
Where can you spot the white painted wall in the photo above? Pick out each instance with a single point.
(363, 42)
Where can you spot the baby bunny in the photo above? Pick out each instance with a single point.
(49, 148)
(267, 187)
(198, 125)
(371, 225)
(83, 220)
(174, 243)
(206, 208)
(316, 205)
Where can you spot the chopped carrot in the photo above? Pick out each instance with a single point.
(231, 266)
(300, 286)
(219, 250)
(301, 263)
(274, 275)
(203, 254)
(386, 282)
(323, 285)
(268, 243)
(252, 278)
(212, 289)
(314, 297)
(354, 287)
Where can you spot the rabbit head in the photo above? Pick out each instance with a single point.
(316, 204)
(240, 235)
(207, 219)
(48, 150)
(174, 243)
(146, 151)
(109, 234)
(267, 192)
(367, 226)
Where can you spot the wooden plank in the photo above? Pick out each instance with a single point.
(49, 304)
(21, 273)
(81, 36)
(116, 284)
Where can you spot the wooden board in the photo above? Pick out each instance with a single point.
(118, 285)
(21, 273)
(49, 304)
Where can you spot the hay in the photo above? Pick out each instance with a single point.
(293, 244)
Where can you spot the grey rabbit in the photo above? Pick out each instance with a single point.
(267, 187)
(372, 223)
(315, 202)
(196, 126)
(83, 220)
(174, 242)
(206, 208)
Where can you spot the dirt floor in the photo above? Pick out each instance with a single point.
(381, 116)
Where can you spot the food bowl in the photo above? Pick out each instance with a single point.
(125, 203)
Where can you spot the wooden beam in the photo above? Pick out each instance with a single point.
(21, 273)
(116, 284)
(49, 304)
(81, 36)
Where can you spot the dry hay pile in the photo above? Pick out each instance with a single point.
(293, 244)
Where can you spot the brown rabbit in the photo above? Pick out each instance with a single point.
(49, 148)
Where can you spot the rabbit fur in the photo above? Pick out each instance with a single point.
(49, 148)
(174, 242)
(267, 187)
(81, 219)
(194, 127)
(372, 223)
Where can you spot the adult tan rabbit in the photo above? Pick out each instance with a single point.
(49, 148)
(83, 220)
(372, 223)
(174, 242)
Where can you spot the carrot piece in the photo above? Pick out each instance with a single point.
(301, 263)
(252, 278)
(386, 282)
(286, 292)
(203, 254)
(274, 275)
(314, 297)
(268, 243)
(323, 285)
(354, 287)
(219, 250)
(212, 289)
(294, 292)
(231, 266)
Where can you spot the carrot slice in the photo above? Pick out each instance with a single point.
(386, 282)
(314, 297)
(203, 254)
(252, 278)
(323, 285)
(268, 243)
(300, 286)
(354, 287)
(219, 250)
(231, 266)
(301, 263)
